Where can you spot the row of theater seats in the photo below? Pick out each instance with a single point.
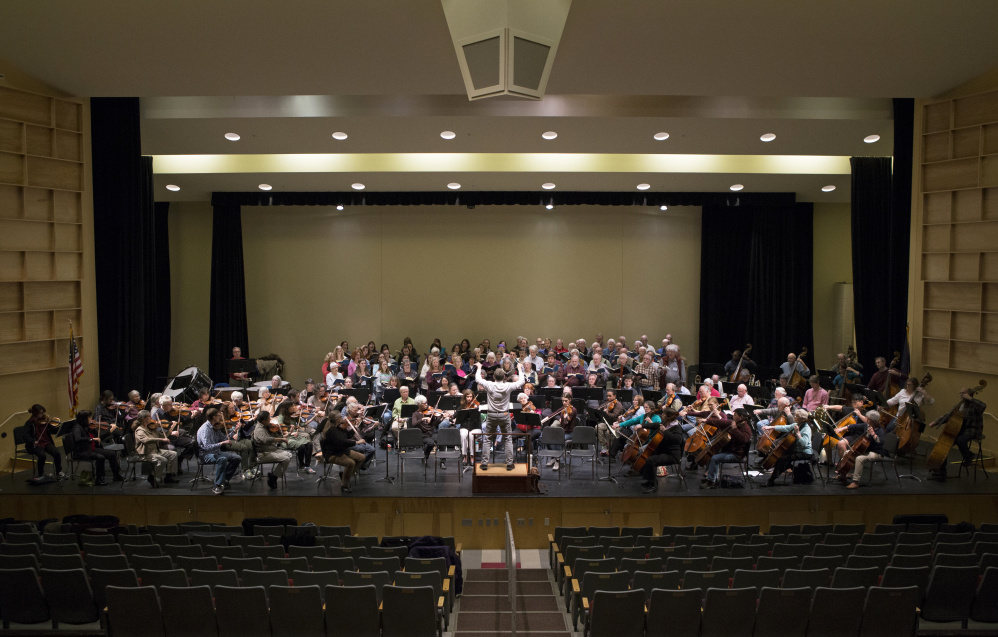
(954, 573)
(64, 578)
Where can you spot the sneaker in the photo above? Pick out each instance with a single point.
(555, 466)
(853, 485)
(271, 481)
(652, 489)
(61, 475)
(248, 474)
(443, 464)
(218, 490)
(99, 482)
(484, 466)
(550, 462)
(510, 466)
(309, 470)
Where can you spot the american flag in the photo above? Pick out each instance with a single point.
(75, 372)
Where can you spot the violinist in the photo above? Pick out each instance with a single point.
(38, 432)
(216, 447)
(669, 449)
(133, 407)
(875, 433)
(86, 446)
(267, 402)
(801, 449)
(241, 433)
(815, 396)
(309, 390)
(337, 447)
(670, 400)
(266, 436)
(106, 413)
(148, 438)
(203, 402)
(735, 450)
(355, 419)
(426, 420)
(171, 416)
(972, 411)
(528, 407)
(299, 439)
(468, 402)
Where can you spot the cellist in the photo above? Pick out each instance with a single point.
(735, 450)
(854, 409)
(669, 450)
(972, 411)
(872, 429)
(801, 449)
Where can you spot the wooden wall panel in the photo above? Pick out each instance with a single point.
(11, 168)
(39, 140)
(976, 109)
(54, 173)
(25, 107)
(11, 136)
(25, 235)
(950, 175)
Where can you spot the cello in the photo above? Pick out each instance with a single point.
(848, 459)
(738, 370)
(714, 445)
(780, 447)
(906, 429)
(947, 437)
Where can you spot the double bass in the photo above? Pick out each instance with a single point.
(797, 380)
(907, 430)
(738, 370)
(892, 386)
(947, 437)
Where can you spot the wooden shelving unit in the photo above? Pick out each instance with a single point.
(959, 250)
(41, 229)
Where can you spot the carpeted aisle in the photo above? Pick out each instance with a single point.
(484, 605)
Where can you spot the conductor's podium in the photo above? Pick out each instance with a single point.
(496, 479)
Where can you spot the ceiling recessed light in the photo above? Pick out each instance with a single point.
(869, 139)
(550, 206)
(453, 185)
(768, 137)
(549, 135)
(340, 135)
(663, 207)
(357, 186)
(737, 187)
(828, 188)
(232, 137)
(659, 137)
(265, 187)
(172, 187)
(448, 134)
(548, 186)
(339, 206)
(644, 186)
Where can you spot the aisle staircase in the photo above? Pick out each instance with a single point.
(483, 609)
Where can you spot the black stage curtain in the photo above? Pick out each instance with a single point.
(879, 261)
(904, 132)
(227, 323)
(158, 324)
(133, 306)
(755, 282)
(451, 198)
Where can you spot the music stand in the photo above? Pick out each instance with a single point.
(449, 403)
(241, 366)
(580, 391)
(877, 398)
(362, 394)
(652, 395)
(539, 400)
(470, 420)
(625, 395)
(390, 395)
(551, 392)
(916, 417)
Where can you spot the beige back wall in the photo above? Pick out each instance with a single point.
(832, 264)
(316, 276)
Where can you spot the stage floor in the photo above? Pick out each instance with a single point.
(579, 485)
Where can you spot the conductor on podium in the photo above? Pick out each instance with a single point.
(497, 415)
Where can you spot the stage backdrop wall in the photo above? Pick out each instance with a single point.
(316, 276)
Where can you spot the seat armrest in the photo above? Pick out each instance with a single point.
(446, 585)
(451, 571)
(575, 586)
(550, 538)
(585, 604)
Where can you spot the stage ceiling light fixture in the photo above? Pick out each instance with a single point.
(265, 187)
(448, 134)
(338, 135)
(548, 186)
(232, 137)
(505, 47)
(871, 139)
(828, 188)
(661, 137)
(737, 187)
(172, 187)
(768, 137)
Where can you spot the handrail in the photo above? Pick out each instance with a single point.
(511, 570)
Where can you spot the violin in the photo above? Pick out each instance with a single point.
(179, 409)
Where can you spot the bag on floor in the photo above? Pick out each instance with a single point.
(802, 473)
(731, 482)
(86, 478)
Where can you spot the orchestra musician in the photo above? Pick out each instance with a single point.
(855, 408)
(912, 392)
(669, 449)
(38, 432)
(788, 368)
(736, 448)
(337, 447)
(299, 439)
(148, 441)
(427, 421)
(86, 446)
(732, 366)
(106, 413)
(741, 398)
(872, 429)
(396, 412)
(801, 449)
(355, 424)
(215, 444)
(624, 423)
(241, 433)
(882, 377)
(769, 414)
(468, 402)
(238, 378)
(815, 396)
(266, 437)
(133, 407)
(972, 411)
(566, 420)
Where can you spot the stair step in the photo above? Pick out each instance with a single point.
(502, 588)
